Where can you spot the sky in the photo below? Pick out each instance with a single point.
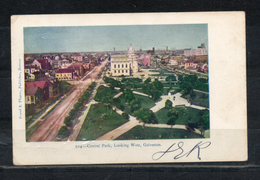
(105, 38)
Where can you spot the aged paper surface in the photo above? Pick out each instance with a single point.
(129, 88)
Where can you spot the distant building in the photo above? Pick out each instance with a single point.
(144, 59)
(31, 69)
(202, 68)
(56, 64)
(64, 74)
(174, 62)
(133, 59)
(190, 65)
(53, 87)
(65, 63)
(202, 58)
(195, 52)
(33, 95)
(77, 58)
(43, 64)
(120, 65)
(43, 85)
(33, 99)
(78, 69)
(151, 51)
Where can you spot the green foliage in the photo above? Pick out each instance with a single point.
(131, 80)
(173, 115)
(125, 115)
(146, 116)
(128, 94)
(78, 105)
(104, 116)
(154, 89)
(173, 112)
(171, 78)
(104, 94)
(168, 104)
(205, 120)
(63, 132)
(135, 104)
(192, 82)
(112, 82)
(68, 121)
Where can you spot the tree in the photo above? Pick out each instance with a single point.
(135, 104)
(173, 116)
(128, 94)
(125, 115)
(156, 95)
(192, 94)
(146, 116)
(63, 132)
(204, 121)
(168, 104)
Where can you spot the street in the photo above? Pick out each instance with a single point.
(48, 129)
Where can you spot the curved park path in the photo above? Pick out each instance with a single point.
(159, 105)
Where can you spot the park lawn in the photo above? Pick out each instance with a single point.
(94, 126)
(199, 100)
(145, 102)
(138, 132)
(192, 115)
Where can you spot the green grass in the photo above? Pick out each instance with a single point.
(94, 126)
(29, 131)
(192, 115)
(139, 132)
(199, 100)
(145, 102)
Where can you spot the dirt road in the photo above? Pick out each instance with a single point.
(48, 129)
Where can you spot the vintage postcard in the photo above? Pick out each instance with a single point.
(129, 88)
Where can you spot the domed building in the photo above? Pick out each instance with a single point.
(133, 60)
(124, 64)
(57, 58)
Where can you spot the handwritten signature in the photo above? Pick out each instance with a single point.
(201, 145)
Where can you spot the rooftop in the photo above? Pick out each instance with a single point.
(65, 71)
(39, 84)
(30, 91)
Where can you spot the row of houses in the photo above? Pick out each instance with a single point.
(36, 92)
(63, 69)
(193, 65)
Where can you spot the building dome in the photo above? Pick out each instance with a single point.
(57, 58)
(131, 50)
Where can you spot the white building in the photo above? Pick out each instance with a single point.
(195, 52)
(124, 64)
(120, 65)
(173, 62)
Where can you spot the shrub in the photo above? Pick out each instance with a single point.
(168, 104)
(125, 115)
(63, 132)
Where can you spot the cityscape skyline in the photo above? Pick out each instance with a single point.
(106, 38)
